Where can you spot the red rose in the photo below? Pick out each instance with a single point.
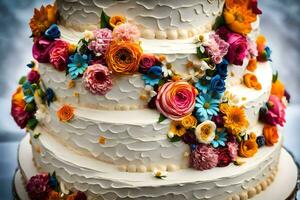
(224, 158)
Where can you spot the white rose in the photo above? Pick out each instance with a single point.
(205, 132)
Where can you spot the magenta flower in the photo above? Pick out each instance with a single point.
(126, 32)
(204, 157)
(276, 111)
(38, 187)
(97, 79)
(59, 55)
(147, 61)
(216, 48)
(20, 116)
(224, 158)
(41, 49)
(238, 49)
(33, 76)
(101, 41)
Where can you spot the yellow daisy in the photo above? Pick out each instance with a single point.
(235, 119)
(177, 128)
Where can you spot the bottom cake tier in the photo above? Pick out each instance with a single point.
(99, 181)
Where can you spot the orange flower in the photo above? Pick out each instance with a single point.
(234, 119)
(261, 43)
(270, 134)
(53, 195)
(116, 20)
(251, 81)
(249, 147)
(65, 113)
(18, 98)
(238, 17)
(43, 19)
(123, 57)
(252, 65)
(278, 89)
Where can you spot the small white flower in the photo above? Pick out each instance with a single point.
(205, 132)
(166, 72)
(170, 134)
(245, 135)
(63, 188)
(159, 174)
(88, 35)
(150, 90)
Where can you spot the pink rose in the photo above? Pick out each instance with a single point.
(176, 100)
(238, 48)
(59, 55)
(33, 76)
(276, 111)
(146, 62)
(97, 79)
(101, 41)
(41, 49)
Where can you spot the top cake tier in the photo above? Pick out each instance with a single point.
(161, 19)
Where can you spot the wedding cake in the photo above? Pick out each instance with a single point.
(161, 99)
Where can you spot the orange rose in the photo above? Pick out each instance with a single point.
(238, 17)
(123, 57)
(116, 20)
(270, 134)
(252, 65)
(249, 147)
(278, 89)
(43, 19)
(18, 98)
(65, 113)
(53, 195)
(250, 80)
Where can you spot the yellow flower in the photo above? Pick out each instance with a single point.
(116, 20)
(235, 119)
(189, 122)
(43, 19)
(205, 132)
(18, 98)
(239, 18)
(72, 48)
(177, 128)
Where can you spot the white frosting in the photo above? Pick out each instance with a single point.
(101, 181)
(160, 19)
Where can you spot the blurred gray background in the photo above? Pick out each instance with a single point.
(280, 23)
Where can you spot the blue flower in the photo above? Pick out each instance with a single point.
(154, 74)
(206, 107)
(217, 84)
(220, 139)
(222, 69)
(50, 96)
(203, 84)
(268, 53)
(28, 91)
(52, 32)
(78, 65)
(260, 140)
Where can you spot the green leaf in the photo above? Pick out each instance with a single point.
(220, 21)
(176, 138)
(161, 118)
(275, 77)
(22, 80)
(32, 123)
(104, 23)
(36, 136)
(30, 107)
(161, 82)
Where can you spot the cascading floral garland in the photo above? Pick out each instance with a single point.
(202, 113)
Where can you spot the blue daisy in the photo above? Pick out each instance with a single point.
(220, 139)
(78, 65)
(206, 107)
(154, 74)
(203, 84)
(28, 91)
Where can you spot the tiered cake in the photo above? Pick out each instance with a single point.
(149, 99)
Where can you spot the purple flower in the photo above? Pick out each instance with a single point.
(101, 41)
(204, 157)
(41, 49)
(37, 187)
(146, 62)
(216, 48)
(33, 76)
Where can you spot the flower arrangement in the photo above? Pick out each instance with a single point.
(45, 186)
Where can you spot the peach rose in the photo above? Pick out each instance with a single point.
(123, 57)
(65, 113)
(249, 147)
(176, 100)
(270, 134)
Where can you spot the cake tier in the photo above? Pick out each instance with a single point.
(159, 19)
(100, 181)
